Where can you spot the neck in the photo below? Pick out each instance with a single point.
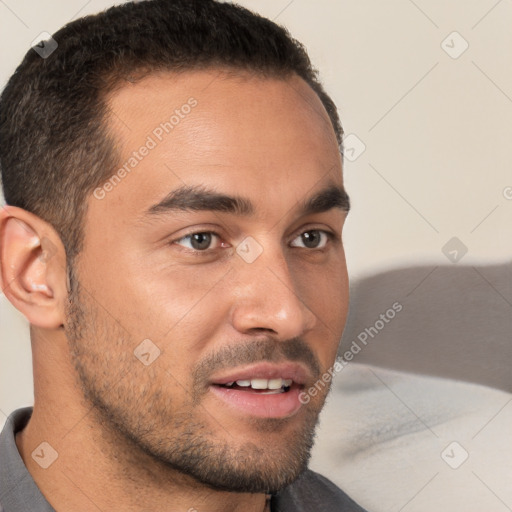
(97, 468)
(90, 473)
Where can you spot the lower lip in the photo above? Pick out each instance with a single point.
(280, 405)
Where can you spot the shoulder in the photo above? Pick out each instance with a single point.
(312, 491)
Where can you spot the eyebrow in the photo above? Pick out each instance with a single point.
(189, 198)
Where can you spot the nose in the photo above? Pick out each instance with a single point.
(267, 298)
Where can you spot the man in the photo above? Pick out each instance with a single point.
(172, 232)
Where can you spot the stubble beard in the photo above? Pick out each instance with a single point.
(141, 419)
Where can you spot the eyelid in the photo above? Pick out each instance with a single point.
(331, 237)
(195, 232)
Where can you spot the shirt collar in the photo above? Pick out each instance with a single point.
(18, 491)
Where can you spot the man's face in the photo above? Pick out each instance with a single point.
(256, 294)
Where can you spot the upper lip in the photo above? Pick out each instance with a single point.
(294, 371)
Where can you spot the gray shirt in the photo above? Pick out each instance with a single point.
(311, 492)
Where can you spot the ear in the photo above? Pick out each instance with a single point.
(32, 267)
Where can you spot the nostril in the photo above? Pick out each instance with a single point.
(264, 330)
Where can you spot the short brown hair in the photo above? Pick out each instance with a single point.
(54, 146)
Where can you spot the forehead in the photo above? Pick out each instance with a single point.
(231, 102)
(239, 133)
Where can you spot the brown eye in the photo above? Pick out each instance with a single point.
(198, 241)
(313, 239)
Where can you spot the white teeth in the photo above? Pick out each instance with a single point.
(271, 384)
(275, 383)
(259, 383)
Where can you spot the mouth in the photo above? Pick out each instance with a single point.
(263, 390)
(261, 386)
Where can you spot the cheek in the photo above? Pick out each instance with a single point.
(156, 299)
(325, 292)
(189, 312)
(186, 301)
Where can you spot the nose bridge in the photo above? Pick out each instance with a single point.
(267, 295)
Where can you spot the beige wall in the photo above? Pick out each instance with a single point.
(437, 129)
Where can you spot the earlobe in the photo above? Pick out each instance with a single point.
(31, 273)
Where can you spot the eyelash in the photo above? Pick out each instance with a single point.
(330, 238)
